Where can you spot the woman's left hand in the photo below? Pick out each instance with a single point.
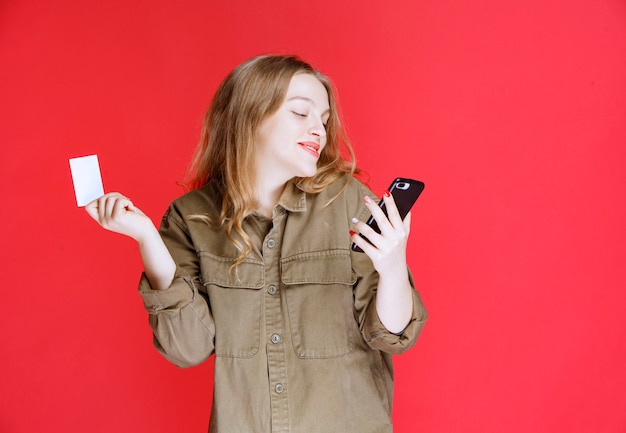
(387, 250)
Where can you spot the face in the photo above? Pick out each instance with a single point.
(290, 141)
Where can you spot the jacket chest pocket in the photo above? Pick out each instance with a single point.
(320, 303)
(235, 302)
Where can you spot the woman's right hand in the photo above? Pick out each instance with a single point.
(117, 213)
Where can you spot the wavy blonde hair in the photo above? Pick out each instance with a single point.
(250, 93)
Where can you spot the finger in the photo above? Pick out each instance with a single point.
(109, 207)
(392, 210)
(131, 207)
(120, 207)
(105, 205)
(378, 214)
(407, 223)
(372, 235)
(102, 201)
(117, 209)
(367, 247)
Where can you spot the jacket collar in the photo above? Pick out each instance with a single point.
(293, 198)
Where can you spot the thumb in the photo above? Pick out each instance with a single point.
(92, 209)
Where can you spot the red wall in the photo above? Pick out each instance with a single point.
(513, 113)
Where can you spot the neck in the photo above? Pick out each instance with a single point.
(267, 195)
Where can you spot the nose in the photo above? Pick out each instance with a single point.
(317, 128)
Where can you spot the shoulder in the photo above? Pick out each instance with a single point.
(349, 188)
(346, 192)
(201, 201)
(346, 186)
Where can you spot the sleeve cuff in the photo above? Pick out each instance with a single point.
(180, 293)
(380, 338)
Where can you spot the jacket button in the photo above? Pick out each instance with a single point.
(279, 388)
(271, 243)
(275, 338)
(272, 289)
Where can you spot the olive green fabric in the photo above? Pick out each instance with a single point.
(298, 344)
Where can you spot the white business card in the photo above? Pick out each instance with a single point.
(87, 179)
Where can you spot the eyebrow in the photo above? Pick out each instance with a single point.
(304, 98)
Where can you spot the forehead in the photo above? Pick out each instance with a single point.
(308, 87)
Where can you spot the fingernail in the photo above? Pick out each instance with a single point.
(387, 193)
(367, 199)
(352, 233)
(355, 220)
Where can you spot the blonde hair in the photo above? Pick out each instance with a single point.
(250, 93)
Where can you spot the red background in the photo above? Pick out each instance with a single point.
(512, 113)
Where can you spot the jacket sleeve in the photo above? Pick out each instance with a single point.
(180, 316)
(372, 329)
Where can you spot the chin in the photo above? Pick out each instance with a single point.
(308, 173)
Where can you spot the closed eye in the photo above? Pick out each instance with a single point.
(299, 114)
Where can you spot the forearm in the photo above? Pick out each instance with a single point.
(118, 214)
(183, 328)
(157, 260)
(394, 300)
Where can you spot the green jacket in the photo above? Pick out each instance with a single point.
(298, 344)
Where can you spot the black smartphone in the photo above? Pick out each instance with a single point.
(405, 192)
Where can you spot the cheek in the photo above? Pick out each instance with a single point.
(326, 150)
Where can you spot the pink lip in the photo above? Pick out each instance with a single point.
(311, 147)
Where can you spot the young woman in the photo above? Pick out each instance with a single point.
(255, 265)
